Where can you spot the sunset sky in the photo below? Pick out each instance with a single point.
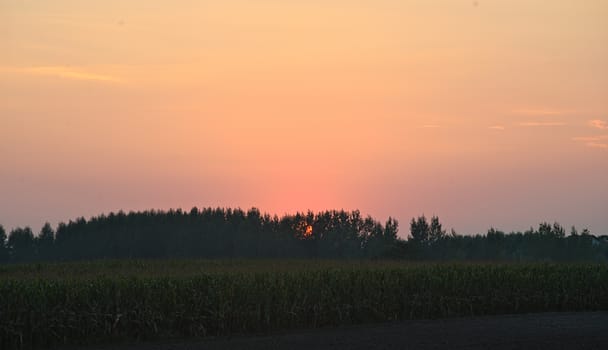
(485, 113)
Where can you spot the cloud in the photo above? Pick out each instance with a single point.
(597, 145)
(430, 126)
(599, 124)
(598, 141)
(496, 127)
(590, 138)
(539, 112)
(536, 124)
(63, 73)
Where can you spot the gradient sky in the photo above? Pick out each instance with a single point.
(486, 113)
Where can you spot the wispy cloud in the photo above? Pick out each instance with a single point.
(496, 127)
(598, 141)
(540, 112)
(599, 124)
(63, 72)
(590, 138)
(537, 124)
(597, 145)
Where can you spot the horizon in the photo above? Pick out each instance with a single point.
(485, 114)
(401, 233)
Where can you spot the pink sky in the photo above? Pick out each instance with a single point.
(487, 115)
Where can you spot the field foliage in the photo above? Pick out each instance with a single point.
(96, 302)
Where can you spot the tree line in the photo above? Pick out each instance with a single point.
(235, 233)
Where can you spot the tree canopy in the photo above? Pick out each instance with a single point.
(235, 233)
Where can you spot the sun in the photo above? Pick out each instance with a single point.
(308, 231)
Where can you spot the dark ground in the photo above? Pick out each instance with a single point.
(532, 331)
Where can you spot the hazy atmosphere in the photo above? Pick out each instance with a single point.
(485, 113)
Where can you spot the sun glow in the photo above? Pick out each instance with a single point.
(397, 108)
(308, 231)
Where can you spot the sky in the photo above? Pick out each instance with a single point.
(484, 113)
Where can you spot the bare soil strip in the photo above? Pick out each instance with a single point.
(582, 330)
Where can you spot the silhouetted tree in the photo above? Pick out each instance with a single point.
(45, 241)
(573, 231)
(558, 230)
(391, 229)
(21, 244)
(436, 231)
(420, 229)
(235, 233)
(3, 247)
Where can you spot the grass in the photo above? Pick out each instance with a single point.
(93, 302)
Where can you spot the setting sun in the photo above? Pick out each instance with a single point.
(308, 232)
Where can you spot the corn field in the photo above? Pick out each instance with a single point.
(91, 303)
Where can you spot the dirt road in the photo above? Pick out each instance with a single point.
(532, 331)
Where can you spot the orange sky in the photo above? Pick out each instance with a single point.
(488, 114)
